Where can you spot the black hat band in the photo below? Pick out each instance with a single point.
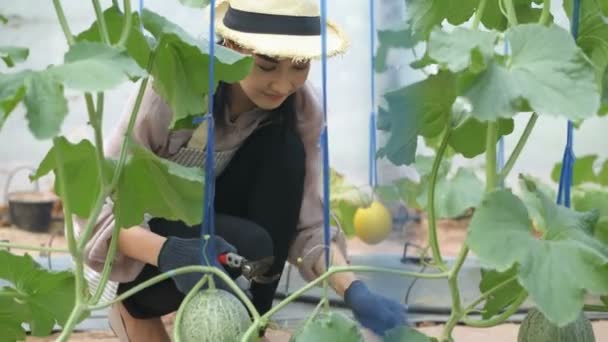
(252, 22)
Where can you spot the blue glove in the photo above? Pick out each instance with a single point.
(178, 252)
(373, 311)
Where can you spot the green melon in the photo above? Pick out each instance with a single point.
(213, 316)
(537, 328)
(328, 326)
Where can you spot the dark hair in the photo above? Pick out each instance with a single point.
(285, 114)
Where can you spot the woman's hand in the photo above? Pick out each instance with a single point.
(372, 310)
(178, 252)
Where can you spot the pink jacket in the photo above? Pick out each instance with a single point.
(151, 131)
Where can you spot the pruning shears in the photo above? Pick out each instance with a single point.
(251, 270)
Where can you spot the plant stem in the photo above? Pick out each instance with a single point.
(107, 266)
(95, 116)
(491, 182)
(433, 242)
(67, 214)
(453, 277)
(121, 161)
(187, 269)
(511, 14)
(544, 17)
(33, 248)
(63, 22)
(519, 147)
(500, 318)
(486, 294)
(126, 28)
(101, 23)
(71, 322)
(125, 143)
(596, 308)
(322, 303)
(338, 269)
(479, 14)
(491, 169)
(457, 311)
(184, 303)
(74, 250)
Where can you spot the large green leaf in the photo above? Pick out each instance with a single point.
(342, 190)
(418, 109)
(534, 203)
(12, 91)
(158, 187)
(328, 326)
(493, 18)
(45, 103)
(603, 174)
(403, 333)
(604, 84)
(539, 74)
(454, 195)
(389, 39)
(83, 180)
(137, 45)
(501, 298)
(181, 67)
(422, 16)
(91, 67)
(12, 314)
(345, 199)
(409, 192)
(38, 297)
(12, 55)
(148, 184)
(343, 216)
(469, 138)
(567, 256)
(593, 29)
(583, 171)
(594, 199)
(462, 48)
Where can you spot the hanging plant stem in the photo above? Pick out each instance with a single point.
(432, 240)
(523, 139)
(101, 20)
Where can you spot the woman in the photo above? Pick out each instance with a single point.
(268, 175)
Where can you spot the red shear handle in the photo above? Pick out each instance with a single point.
(230, 260)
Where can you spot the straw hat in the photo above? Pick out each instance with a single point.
(278, 28)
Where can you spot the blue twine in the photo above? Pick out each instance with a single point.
(141, 12)
(208, 224)
(373, 169)
(569, 158)
(324, 134)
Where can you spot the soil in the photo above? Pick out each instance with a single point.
(451, 234)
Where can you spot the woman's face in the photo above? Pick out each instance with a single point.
(271, 81)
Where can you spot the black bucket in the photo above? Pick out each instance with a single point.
(30, 210)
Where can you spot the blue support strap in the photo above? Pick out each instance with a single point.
(324, 134)
(565, 180)
(208, 224)
(141, 13)
(373, 169)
